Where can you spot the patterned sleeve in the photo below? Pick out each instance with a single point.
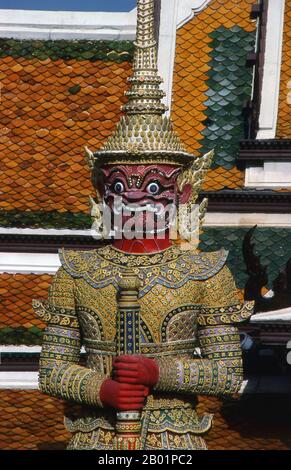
(60, 373)
(219, 369)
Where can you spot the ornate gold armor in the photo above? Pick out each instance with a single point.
(189, 308)
(188, 300)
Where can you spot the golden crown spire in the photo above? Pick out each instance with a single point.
(144, 134)
(145, 95)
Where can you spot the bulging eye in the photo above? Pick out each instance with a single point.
(153, 188)
(118, 187)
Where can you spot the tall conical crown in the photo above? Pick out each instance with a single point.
(145, 95)
(144, 134)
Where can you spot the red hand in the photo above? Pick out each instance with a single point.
(136, 370)
(122, 396)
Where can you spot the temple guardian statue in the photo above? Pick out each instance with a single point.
(158, 322)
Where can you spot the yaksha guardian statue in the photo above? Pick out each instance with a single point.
(158, 322)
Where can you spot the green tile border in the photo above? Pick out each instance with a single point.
(229, 87)
(21, 336)
(116, 51)
(46, 220)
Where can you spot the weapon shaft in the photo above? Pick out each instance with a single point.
(128, 426)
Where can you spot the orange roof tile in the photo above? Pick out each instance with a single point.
(23, 427)
(16, 294)
(220, 178)
(193, 54)
(47, 123)
(238, 425)
(284, 113)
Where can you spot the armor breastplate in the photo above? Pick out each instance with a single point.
(170, 296)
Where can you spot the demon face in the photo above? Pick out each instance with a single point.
(142, 198)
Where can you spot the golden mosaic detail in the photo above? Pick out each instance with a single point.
(144, 134)
(171, 267)
(170, 316)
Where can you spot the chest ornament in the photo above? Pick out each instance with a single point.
(171, 268)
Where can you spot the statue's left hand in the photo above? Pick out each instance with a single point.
(136, 370)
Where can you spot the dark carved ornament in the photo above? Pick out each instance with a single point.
(248, 200)
(264, 150)
(258, 279)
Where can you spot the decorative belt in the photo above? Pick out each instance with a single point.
(108, 348)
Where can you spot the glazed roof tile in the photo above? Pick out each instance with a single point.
(238, 424)
(272, 244)
(211, 84)
(284, 114)
(19, 324)
(55, 99)
(23, 427)
(62, 95)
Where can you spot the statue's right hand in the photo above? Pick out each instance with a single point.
(122, 396)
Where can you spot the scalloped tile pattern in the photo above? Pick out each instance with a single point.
(211, 84)
(19, 324)
(52, 107)
(272, 244)
(31, 421)
(284, 114)
(238, 425)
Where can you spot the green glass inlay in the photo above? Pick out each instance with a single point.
(116, 51)
(74, 89)
(43, 219)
